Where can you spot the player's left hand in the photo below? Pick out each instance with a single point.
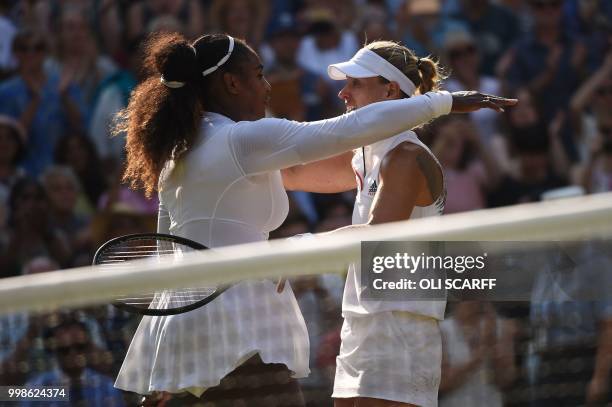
(470, 101)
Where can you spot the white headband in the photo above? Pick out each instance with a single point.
(368, 64)
(223, 60)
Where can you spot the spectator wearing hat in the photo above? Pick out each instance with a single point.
(46, 105)
(297, 92)
(422, 27)
(325, 44)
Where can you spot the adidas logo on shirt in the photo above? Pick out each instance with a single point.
(373, 188)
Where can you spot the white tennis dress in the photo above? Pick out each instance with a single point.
(228, 190)
(390, 350)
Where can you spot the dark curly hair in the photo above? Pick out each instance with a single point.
(160, 122)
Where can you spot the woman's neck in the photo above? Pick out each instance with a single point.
(234, 113)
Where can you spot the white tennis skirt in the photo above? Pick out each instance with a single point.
(390, 355)
(193, 351)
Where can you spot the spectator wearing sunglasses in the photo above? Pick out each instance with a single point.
(71, 343)
(47, 106)
(463, 57)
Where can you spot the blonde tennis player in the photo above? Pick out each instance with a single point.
(391, 352)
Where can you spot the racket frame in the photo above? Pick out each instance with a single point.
(157, 236)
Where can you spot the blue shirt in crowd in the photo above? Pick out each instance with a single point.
(50, 122)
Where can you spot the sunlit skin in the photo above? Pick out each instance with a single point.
(244, 95)
(401, 184)
(360, 92)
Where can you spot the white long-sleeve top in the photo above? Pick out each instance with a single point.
(228, 190)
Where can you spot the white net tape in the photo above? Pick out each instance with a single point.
(566, 219)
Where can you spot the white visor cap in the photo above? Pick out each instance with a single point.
(368, 64)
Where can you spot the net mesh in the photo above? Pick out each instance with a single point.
(546, 346)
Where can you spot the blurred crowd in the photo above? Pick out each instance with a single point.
(68, 66)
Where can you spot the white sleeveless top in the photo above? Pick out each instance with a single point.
(352, 304)
(228, 190)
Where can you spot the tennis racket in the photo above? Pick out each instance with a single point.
(115, 254)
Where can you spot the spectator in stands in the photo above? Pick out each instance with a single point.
(571, 316)
(79, 153)
(113, 96)
(78, 56)
(477, 356)
(548, 63)
(46, 105)
(591, 22)
(63, 190)
(494, 28)
(596, 173)
(71, 343)
(325, 44)
(373, 24)
(297, 93)
(22, 350)
(7, 32)
(31, 232)
(470, 170)
(590, 106)
(12, 150)
(463, 56)
(422, 27)
(240, 18)
(140, 13)
(522, 123)
(538, 170)
(122, 213)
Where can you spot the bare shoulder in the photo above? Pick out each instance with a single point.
(411, 160)
(405, 156)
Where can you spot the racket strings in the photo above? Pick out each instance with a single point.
(118, 257)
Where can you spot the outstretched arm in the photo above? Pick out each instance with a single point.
(273, 144)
